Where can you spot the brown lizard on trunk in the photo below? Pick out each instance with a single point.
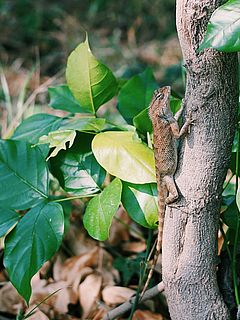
(165, 134)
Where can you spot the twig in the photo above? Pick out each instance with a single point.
(113, 314)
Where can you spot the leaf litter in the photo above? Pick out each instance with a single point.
(81, 280)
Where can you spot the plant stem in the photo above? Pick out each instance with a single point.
(142, 273)
(235, 246)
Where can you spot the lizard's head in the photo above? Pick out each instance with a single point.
(160, 104)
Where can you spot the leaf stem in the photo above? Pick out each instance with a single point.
(75, 197)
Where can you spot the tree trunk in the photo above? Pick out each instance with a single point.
(190, 230)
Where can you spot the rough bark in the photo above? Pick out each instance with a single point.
(190, 230)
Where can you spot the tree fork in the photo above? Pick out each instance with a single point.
(190, 230)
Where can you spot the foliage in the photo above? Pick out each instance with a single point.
(223, 28)
(88, 149)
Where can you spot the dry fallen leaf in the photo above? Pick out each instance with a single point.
(59, 301)
(146, 315)
(77, 240)
(115, 295)
(38, 315)
(89, 291)
(10, 300)
(138, 246)
(74, 265)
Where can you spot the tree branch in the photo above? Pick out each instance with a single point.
(149, 294)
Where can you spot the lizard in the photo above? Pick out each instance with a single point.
(166, 132)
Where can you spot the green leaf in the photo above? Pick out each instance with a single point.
(230, 216)
(136, 94)
(224, 28)
(124, 156)
(128, 267)
(142, 122)
(140, 201)
(58, 140)
(8, 218)
(84, 124)
(34, 241)
(34, 127)
(78, 173)
(238, 199)
(101, 209)
(175, 104)
(91, 82)
(23, 175)
(61, 98)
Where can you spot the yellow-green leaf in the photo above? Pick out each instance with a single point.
(124, 156)
(91, 82)
(57, 140)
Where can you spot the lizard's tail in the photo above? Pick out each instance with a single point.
(161, 212)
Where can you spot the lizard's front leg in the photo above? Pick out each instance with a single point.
(177, 133)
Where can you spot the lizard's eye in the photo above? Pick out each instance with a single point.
(160, 96)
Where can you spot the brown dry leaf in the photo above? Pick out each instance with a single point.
(81, 275)
(137, 246)
(115, 295)
(221, 238)
(110, 277)
(57, 267)
(100, 313)
(38, 315)
(74, 265)
(77, 239)
(146, 315)
(89, 291)
(10, 300)
(118, 230)
(58, 301)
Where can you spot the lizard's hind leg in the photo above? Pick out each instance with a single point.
(172, 189)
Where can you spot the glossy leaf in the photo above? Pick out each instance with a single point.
(84, 124)
(91, 82)
(62, 98)
(136, 94)
(123, 155)
(78, 173)
(140, 201)
(32, 128)
(58, 140)
(34, 240)
(101, 209)
(8, 218)
(142, 121)
(223, 31)
(23, 175)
